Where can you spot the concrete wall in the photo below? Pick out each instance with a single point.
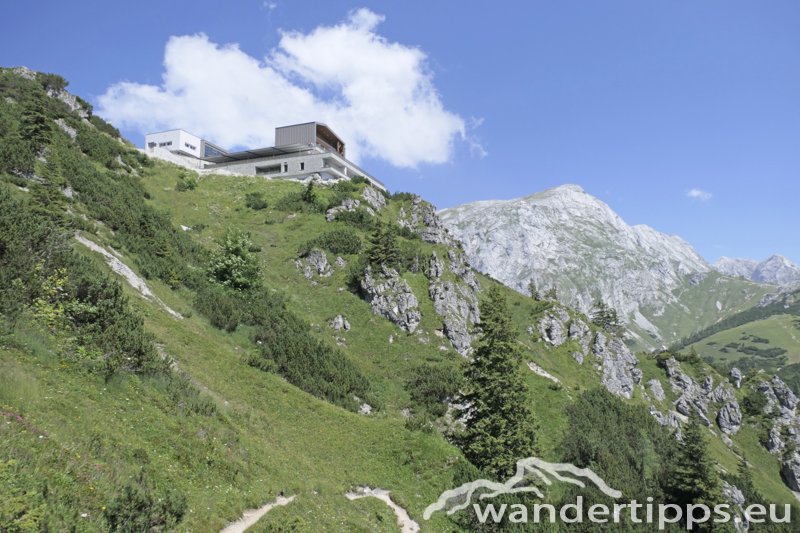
(326, 164)
(174, 141)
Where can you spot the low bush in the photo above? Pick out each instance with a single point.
(337, 241)
(255, 201)
(431, 387)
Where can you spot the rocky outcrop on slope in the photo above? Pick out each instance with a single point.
(314, 263)
(391, 297)
(619, 365)
(698, 397)
(348, 204)
(373, 197)
(784, 435)
(553, 327)
(423, 220)
(339, 322)
(456, 303)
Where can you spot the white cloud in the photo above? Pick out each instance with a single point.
(699, 194)
(376, 94)
(269, 6)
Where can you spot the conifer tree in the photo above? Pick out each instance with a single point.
(605, 317)
(693, 479)
(383, 248)
(233, 264)
(500, 429)
(309, 195)
(35, 126)
(533, 291)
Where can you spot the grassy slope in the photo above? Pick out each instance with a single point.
(385, 364)
(695, 306)
(782, 331)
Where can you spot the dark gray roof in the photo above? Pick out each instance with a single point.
(258, 153)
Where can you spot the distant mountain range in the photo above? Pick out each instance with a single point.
(566, 239)
(777, 270)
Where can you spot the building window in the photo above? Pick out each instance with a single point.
(168, 143)
(286, 167)
(189, 146)
(302, 166)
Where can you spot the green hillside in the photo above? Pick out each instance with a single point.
(229, 386)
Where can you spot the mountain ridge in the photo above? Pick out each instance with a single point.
(775, 270)
(565, 238)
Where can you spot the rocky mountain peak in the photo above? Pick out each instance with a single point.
(567, 239)
(776, 270)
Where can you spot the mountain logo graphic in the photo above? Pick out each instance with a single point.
(529, 474)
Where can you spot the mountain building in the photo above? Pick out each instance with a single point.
(300, 151)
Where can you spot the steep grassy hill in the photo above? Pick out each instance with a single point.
(235, 380)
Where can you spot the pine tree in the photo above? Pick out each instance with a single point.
(35, 126)
(605, 317)
(383, 248)
(533, 291)
(233, 264)
(500, 429)
(309, 195)
(692, 477)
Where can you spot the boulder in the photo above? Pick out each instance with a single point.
(736, 377)
(339, 322)
(315, 262)
(729, 418)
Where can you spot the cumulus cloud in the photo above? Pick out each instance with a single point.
(376, 94)
(699, 194)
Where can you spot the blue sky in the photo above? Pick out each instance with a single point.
(638, 102)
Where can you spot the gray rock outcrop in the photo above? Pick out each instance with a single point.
(671, 419)
(348, 204)
(553, 327)
(315, 262)
(656, 389)
(457, 305)
(790, 471)
(620, 372)
(736, 377)
(391, 297)
(424, 221)
(729, 418)
(339, 323)
(373, 197)
(455, 302)
(698, 397)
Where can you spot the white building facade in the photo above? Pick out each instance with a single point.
(310, 149)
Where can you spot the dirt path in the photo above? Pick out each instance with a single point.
(251, 516)
(125, 271)
(403, 519)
